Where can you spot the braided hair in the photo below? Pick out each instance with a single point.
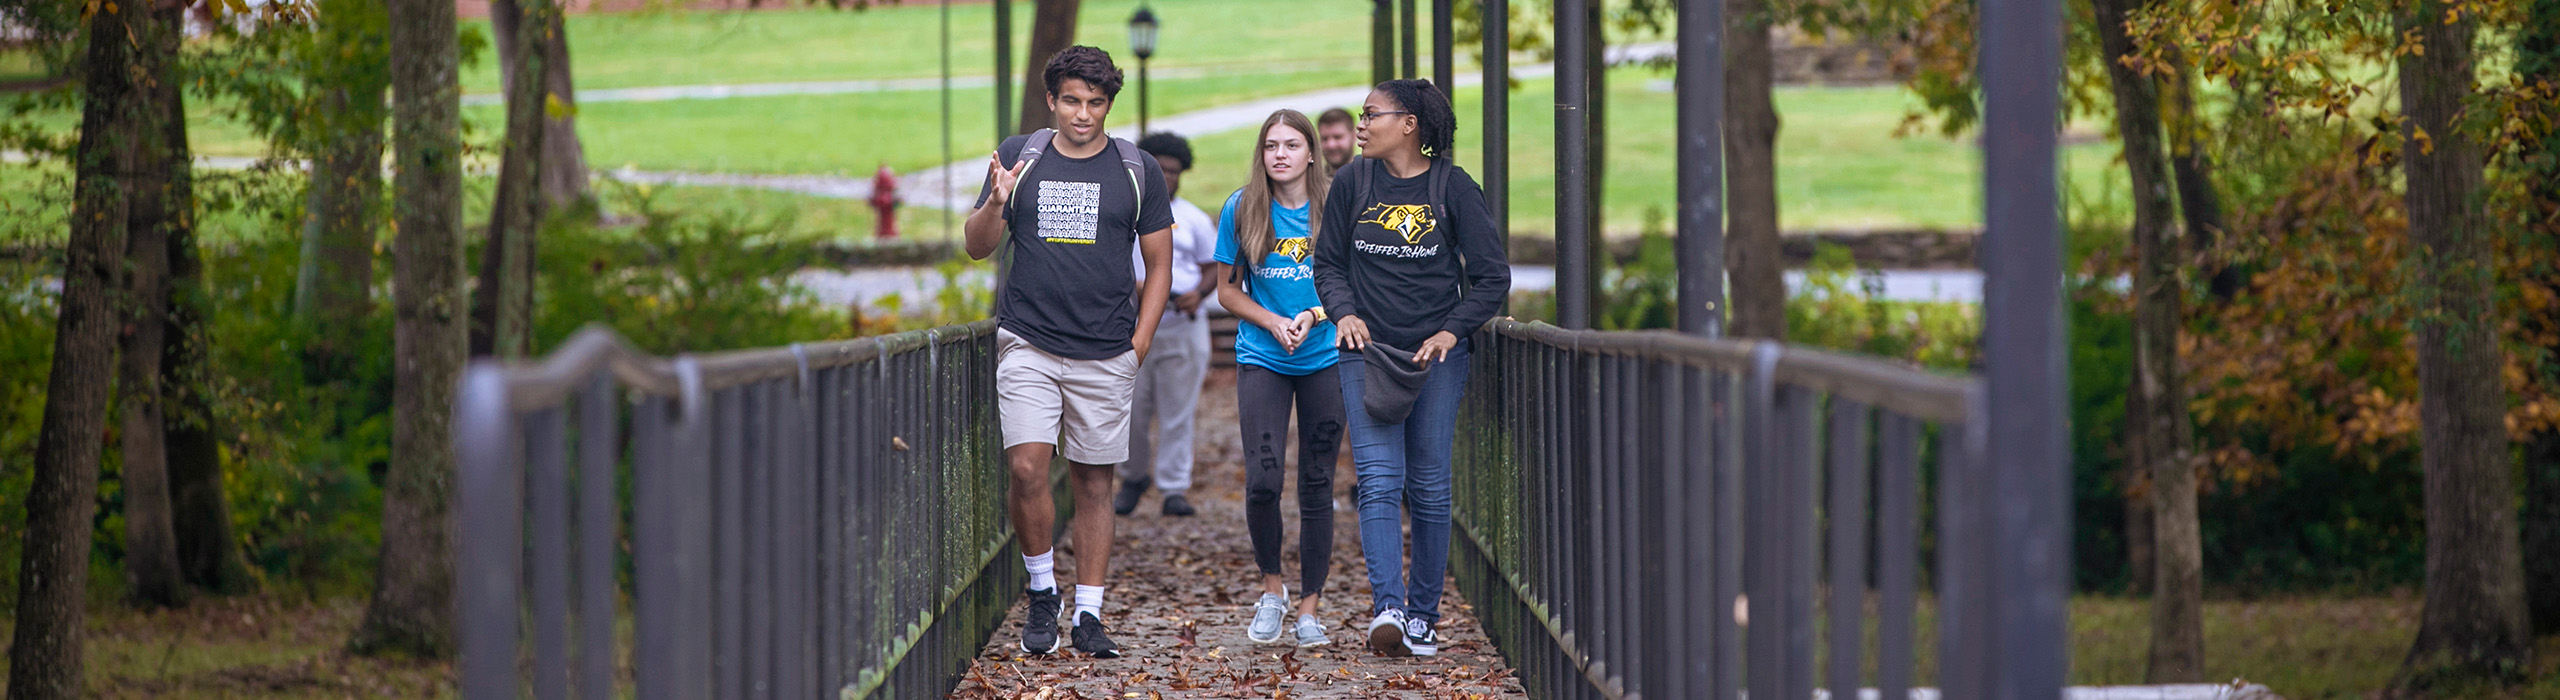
(1438, 123)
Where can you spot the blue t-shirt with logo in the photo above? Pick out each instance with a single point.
(1284, 284)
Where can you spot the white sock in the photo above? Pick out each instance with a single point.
(1044, 568)
(1088, 600)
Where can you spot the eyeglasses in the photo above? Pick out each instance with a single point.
(1367, 116)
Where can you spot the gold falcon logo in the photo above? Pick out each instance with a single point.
(1295, 248)
(1413, 221)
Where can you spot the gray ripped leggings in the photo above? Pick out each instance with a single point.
(1263, 403)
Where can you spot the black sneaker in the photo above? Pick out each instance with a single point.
(1420, 637)
(1130, 490)
(1090, 637)
(1386, 634)
(1178, 506)
(1040, 632)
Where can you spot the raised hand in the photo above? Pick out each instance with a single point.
(1004, 180)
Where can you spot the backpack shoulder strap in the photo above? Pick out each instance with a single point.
(1130, 158)
(1360, 167)
(1439, 188)
(1034, 145)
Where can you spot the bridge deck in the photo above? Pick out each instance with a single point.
(1197, 573)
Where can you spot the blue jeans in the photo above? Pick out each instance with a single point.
(1405, 465)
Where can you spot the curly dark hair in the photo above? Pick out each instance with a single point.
(1165, 143)
(1431, 111)
(1086, 63)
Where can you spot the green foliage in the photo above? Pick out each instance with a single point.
(2101, 373)
(679, 282)
(961, 299)
(304, 75)
(1643, 293)
(304, 446)
(1843, 308)
(26, 359)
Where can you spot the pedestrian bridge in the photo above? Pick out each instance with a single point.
(827, 520)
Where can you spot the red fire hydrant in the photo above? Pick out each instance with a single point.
(884, 204)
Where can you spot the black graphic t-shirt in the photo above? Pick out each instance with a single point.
(1406, 270)
(1073, 223)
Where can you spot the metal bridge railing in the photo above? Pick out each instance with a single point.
(818, 520)
(1617, 492)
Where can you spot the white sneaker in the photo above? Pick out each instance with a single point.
(1267, 616)
(1386, 634)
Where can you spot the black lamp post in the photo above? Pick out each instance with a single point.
(1142, 41)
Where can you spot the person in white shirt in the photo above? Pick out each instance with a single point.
(1169, 383)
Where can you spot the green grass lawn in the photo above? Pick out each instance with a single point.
(20, 65)
(854, 134)
(1839, 164)
(904, 41)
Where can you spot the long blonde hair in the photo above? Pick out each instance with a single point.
(1254, 235)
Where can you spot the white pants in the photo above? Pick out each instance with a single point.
(1168, 397)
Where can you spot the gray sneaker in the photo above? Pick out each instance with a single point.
(1267, 616)
(1311, 632)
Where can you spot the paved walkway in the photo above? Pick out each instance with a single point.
(958, 182)
(666, 93)
(1182, 590)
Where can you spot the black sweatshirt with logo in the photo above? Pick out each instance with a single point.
(1406, 268)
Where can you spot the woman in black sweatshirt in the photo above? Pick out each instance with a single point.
(1410, 267)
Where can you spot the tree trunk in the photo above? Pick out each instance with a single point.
(208, 551)
(2138, 548)
(502, 306)
(338, 234)
(1758, 270)
(1053, 29)
(45, 658)
(150, 542)
(564, 160)
(2158, 415)
(412, 602)
(2473, 623)
(336, 280)
(2137, 543)
(346, 182)
(2199, 204)
(2538, 63)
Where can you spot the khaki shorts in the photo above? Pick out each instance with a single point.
(1082, 406)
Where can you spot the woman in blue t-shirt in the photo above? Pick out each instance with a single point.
(1285, 356)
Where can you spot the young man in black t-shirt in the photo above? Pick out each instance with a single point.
(1073, 324)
